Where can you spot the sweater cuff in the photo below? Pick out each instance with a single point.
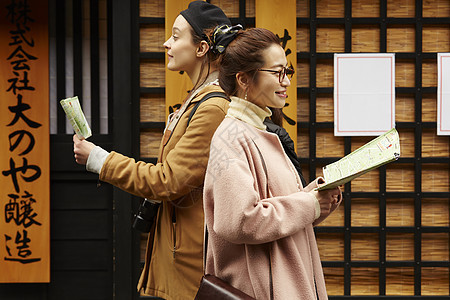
(96, 159)
(317, 205)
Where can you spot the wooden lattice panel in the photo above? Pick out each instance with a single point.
(334, 277)
(302, 9)
(436, 38)
(152, 108)
(150, 141)
(365, 8)
(435, 178)
(429, 108)
(404, 110)
(152, 73)
(435, 8)
(400, 212)
(400, 38)
(330, 8)
(335, 219)
(434, 145)
(152, 38)
(325, 73)
(151, 8)
(404, 73)
(400, 178)
(331, 246)
(435, 281)
(386, 211)
(365, 39)
(399, 281)
(324, 139)
(230, 8)
(364, 281)
(365, 212)
(399, 246)
(435, 212)
(303, 73)
(429, 73)
(303, 39)
(324, 108)
(400, 8)
(330, 38)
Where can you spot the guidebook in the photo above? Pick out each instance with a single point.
(76, 117)
(379, 151)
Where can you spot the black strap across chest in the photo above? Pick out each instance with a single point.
(206, 97)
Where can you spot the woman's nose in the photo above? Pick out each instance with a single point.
(286, 81)
(166, 44)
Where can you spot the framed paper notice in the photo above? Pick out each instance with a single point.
(443, 98)
(364, 94)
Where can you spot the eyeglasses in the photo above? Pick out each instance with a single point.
(286, 71)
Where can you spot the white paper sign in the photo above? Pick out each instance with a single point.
(364, 94)
(443, 98)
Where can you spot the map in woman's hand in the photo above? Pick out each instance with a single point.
(76, 117)
(379, 151)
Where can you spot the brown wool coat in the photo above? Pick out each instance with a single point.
(174, 258)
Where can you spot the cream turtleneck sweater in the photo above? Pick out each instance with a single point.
(248, 112)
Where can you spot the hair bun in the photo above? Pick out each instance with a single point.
(222, 36)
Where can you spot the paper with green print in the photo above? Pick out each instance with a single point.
(379, 151)
(76, 117)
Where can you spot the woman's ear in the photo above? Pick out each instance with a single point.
(242, 80)
(202, 49)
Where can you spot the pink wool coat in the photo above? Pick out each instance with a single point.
(246, 225)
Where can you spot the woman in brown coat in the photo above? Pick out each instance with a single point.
(173, 264)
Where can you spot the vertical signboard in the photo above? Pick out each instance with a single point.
(279, 16)
(24, 142)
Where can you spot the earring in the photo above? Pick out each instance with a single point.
(245, 96)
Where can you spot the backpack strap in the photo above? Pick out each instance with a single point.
(206, 97)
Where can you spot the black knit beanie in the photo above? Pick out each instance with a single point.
(202, 15)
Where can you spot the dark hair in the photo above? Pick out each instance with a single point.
(243, 54)
(210, 56)
(277, 115)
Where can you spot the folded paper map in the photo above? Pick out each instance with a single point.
(379, 151)
(76, 117)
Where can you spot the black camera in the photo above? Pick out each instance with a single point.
(146, 215)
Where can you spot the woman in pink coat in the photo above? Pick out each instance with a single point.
(259, 216)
